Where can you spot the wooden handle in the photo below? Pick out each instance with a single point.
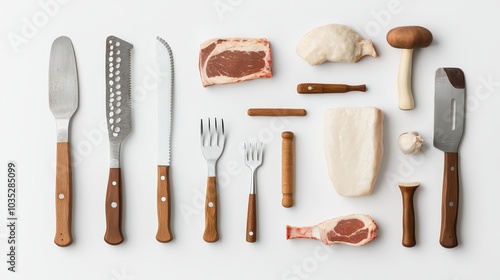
(64, 196)
(407, 191)
(276, 112)
(287, 169)
(211, 233)
(251, 219)
(328, 88)
(405, 95)
(164, 234)
(113, 233)
(449, 207)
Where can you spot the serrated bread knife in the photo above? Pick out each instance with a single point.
(63, 102)
(165, 69)
(119, 122)
(449, 116)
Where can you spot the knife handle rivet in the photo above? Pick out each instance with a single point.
(309, 88)
(210, 204)
(113, 183)
(162, 178)
(114, 204)
(250, 233)
(450, 203)
(61, 196)
(452, 168)
(163, 199)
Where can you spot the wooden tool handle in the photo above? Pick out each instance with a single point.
(164, 234)
(113, 233)
(328, 88)
(211, 233)
(407, 191)
(64, 196)
(449, 207)
(251, 219)
(287, 169)
(276, 112)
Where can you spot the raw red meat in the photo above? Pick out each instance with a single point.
(225, 61)
(354, 230)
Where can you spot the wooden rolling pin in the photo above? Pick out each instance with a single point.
(407, 191)
(328, 88)
(287, 169)
(276, 112)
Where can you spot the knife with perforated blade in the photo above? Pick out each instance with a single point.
(119, 116)
(165, 70)
(449, 116)
(63, 102)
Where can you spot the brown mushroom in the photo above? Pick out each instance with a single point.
(407, 38)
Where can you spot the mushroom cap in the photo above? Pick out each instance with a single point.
(409, 37)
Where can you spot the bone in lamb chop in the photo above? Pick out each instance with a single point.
(354, 230)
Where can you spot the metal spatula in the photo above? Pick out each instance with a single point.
(449, 116)
(63, 102)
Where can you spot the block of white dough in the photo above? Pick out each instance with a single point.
(353, 143)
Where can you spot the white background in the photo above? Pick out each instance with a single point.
(465, 36)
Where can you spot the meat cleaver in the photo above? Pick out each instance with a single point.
(449, 116)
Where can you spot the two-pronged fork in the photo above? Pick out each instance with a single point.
(253, 159)
(212, 144)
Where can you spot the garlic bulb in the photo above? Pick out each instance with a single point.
(410, 143)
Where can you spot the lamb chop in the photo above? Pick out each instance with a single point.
(354, 230)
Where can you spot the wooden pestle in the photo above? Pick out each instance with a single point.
(407, 191)
(287, 169)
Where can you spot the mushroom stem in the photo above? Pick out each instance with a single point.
(405, 95)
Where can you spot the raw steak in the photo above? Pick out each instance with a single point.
(225, 61)
(354, 230)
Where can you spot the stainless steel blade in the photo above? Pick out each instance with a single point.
(118, 95)
(165, 75)
(449, 109)
(449, 114)
(119, 120)
(63, 85)
(63, 102)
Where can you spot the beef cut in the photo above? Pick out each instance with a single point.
(233, 60)
(354, 230)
